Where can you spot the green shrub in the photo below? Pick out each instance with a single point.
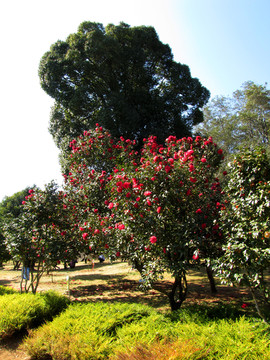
(24, 311)
(85, 331)
(174, 350)
(122, 331)
(202, 313)
(7, 290)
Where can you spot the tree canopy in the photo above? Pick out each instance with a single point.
(10, 208)
(242, 120)
(41, 236)
(245, 258)
(159, 210)
(122, 77)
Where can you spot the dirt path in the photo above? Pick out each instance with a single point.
(9, 348)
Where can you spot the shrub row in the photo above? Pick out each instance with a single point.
(24, 311)
(7, 290)
(136, 332)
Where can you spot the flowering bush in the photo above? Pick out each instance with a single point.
(246, 257)
(157, 208)
(41, 236)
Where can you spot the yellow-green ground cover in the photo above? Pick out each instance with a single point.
(111, 318)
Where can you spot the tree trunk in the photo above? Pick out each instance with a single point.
(257, 305)
(211, 279)
(178, 293)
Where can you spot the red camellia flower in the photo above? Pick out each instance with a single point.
(203, 160)
(85, 236)
(199, 211)
(117, 254)
(110, 206)
(23, 202)
(203, 225)
(153, 239)
(189, 152)
(147, 193)
(167, 169)
(126, 185)
(96, 231)
(159, 210)
(195, 257)
(220, 151)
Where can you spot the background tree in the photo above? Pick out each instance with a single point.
(242, 120)
(246, 225)
(10, 208)
(41, 236)
(122, 77)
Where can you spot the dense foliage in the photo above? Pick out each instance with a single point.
(41, 236)
(26, 311)
(133, 331)
(158, 208)
(246, 225)
(242, 120)
(123, 77)
(10, 209)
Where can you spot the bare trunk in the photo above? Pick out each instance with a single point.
(178, 293)
(257, 305)
(211, 279)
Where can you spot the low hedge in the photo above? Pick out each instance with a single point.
(24, 311)
(122, 331)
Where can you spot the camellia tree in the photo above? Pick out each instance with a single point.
(10, 208)
(41, 236)
(246, 224)
(157, 208)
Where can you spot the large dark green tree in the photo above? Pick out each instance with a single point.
(123, 78)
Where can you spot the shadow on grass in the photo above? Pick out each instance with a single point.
(120, 290)
(5, 282)
(94, 276)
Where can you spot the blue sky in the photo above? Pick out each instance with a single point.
(225, 43)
